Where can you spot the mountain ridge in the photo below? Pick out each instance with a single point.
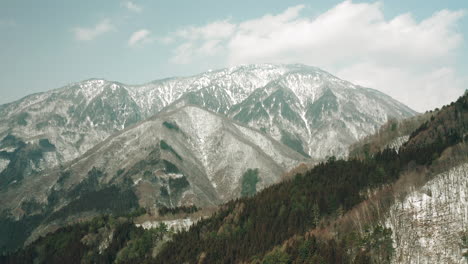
(164, 147)
(76, 117)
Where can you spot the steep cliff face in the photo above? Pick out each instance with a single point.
(428, 223)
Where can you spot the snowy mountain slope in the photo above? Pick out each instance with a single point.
(72, 119)
(317, 113)
(80, 115)
(397, 142)
(181, 157)
(186, 156)
(226, 86)
(428, 223)
(310, 110)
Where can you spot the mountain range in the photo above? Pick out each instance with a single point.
(311, 111)
(172, 142)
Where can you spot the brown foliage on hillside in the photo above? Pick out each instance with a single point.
(388, 132)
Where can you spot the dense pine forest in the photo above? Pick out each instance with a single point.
(300, 220)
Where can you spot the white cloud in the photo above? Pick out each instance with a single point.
(183, 53)
(401, 56)
(139, 37)
(420, 89)
(132, 6)
(216, 30)
(86, 34)
(208, 40)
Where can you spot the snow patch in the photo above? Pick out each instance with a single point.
(137, 181)
(397, 142)
(176, 225)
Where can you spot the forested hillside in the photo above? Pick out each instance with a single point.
(246, 229)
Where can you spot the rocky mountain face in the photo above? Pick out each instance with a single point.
(311, 111)
(78, 116)
(68, 121)
(317, 114)
(186, 156)
(305, 108)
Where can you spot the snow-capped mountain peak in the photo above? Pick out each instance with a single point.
(306, 108)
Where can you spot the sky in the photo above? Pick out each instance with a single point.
(415, 51)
